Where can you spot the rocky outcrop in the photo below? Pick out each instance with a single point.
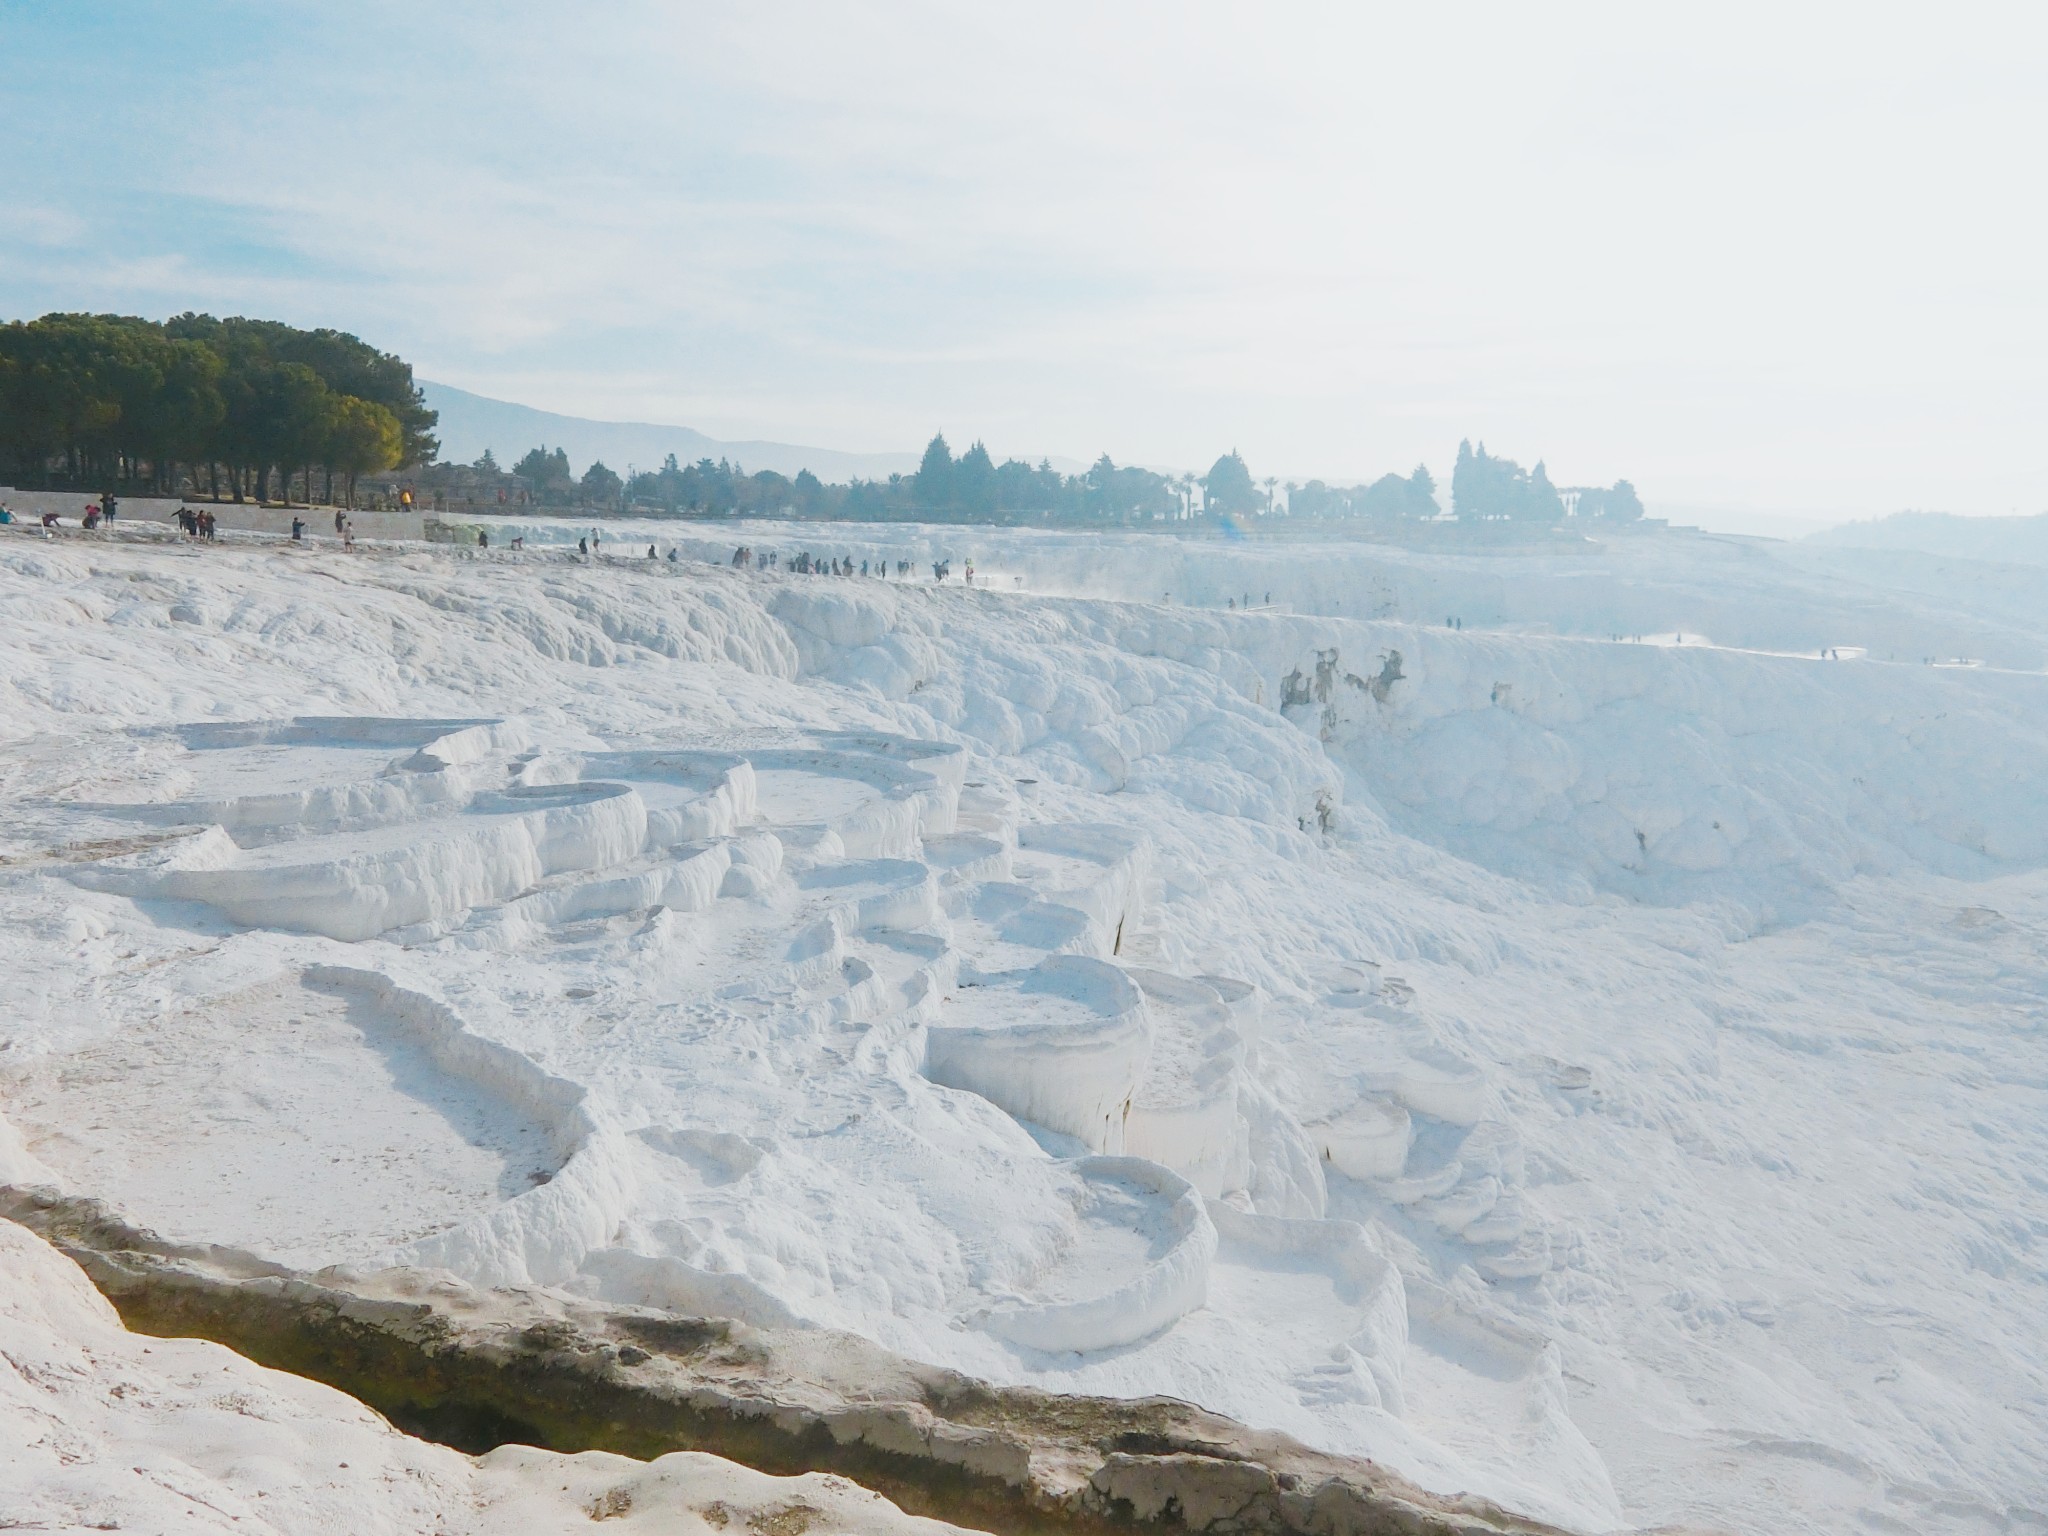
(477, 1369)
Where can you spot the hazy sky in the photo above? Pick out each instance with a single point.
(1769, 256)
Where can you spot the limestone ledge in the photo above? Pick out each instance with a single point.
(477, 1369)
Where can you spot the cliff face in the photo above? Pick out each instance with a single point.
(479, 1369)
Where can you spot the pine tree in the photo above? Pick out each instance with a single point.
(935, 473)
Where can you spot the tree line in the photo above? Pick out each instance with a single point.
(1489, 489)
(235, 405)
(972, 488)
(969, 488)
(245, 406)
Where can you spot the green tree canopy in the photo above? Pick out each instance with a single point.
(1228, 486)
(543, 469)
(364, 439)
(120, 397)
(974, 482)
(600, 487)
(1484, 488)
(935, 473)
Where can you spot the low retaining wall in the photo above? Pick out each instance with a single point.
(71, 505)
(319, 521)
(245, 517)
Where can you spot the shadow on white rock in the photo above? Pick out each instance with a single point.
(1138, 1261)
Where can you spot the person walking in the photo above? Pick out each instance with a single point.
(348, 536)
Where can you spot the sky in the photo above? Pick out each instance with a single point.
(1780, 262)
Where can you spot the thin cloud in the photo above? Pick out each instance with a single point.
(1776, 255)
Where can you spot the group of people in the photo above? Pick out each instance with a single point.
(804, 563)
(195, 523)
(344, 529)
(97, 514)
(200, 524)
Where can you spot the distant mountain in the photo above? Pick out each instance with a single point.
(471, 423)
(2005, 540)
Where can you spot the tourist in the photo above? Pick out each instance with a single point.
(298, 530)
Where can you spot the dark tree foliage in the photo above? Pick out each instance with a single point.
(116, 399)
(970, 488)
(974, 481)
(1228, 486)
(1616, 504)
(545, 471)
(600, 486)
(1391, 498)
(1484, 488)
(717, 488)
(935, 474)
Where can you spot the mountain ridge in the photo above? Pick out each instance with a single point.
(2016, 540)
(471, 423)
